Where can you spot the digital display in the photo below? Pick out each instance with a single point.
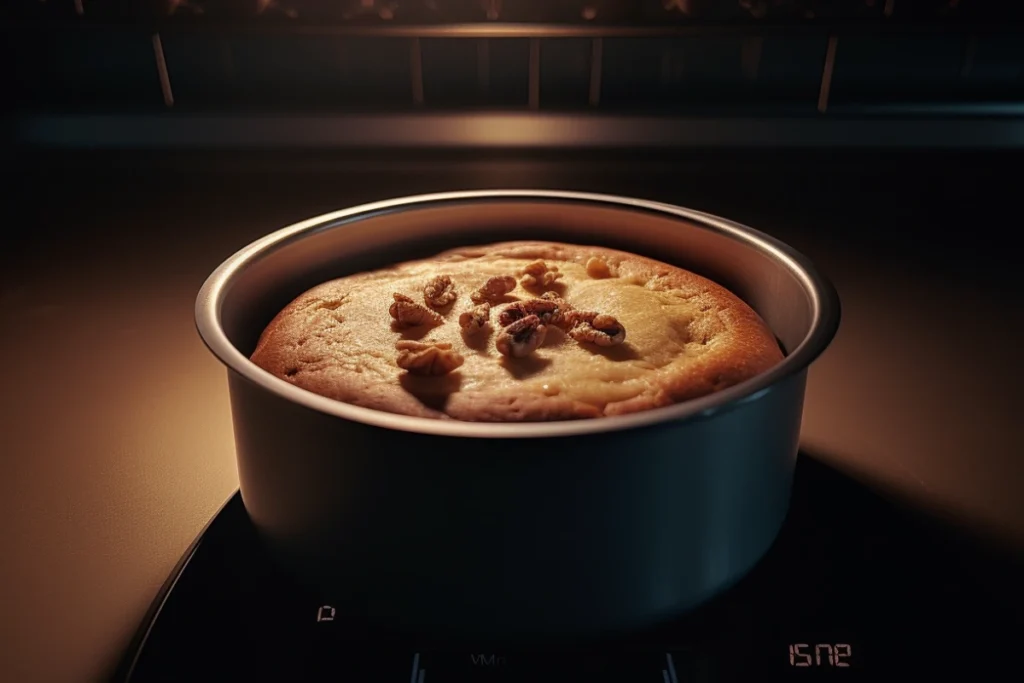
(820, 655)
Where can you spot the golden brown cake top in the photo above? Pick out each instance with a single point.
(518, 331)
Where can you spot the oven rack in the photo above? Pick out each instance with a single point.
(851, 82)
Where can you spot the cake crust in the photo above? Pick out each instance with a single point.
(391, 339)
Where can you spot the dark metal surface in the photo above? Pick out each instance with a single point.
(520, 131)
(849, 568)
(579, 527)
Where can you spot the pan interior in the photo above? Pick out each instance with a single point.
(264, 284)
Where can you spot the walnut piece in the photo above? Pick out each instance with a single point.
(408, 313)
(521, 338)
(550, 312)
(538, 274)
(427, 359)
(596, 328)
(439, 292)
(494, 289)
(597, 268)
(475, 319)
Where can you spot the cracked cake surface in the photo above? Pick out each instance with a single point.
(518, 331)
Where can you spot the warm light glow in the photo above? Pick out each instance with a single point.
(123, 449)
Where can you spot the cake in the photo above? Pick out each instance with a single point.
(518, 332)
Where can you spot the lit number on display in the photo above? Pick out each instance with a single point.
(822, 654)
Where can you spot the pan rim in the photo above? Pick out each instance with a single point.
(822, 295)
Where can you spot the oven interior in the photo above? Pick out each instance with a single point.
(150, 139)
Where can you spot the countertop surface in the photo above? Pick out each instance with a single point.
(117, 444)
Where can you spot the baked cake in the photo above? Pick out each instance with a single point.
(518, 331)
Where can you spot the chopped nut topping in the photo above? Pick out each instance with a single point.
(549, 311)
(494, 289)
(428, 359)
(564, 317)
(596, 328)
(408, 313)
(538, 274)
(597, 268)
(521, 338)
(439, 292)
(476, 319)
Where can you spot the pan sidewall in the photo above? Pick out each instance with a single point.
(501, 537)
